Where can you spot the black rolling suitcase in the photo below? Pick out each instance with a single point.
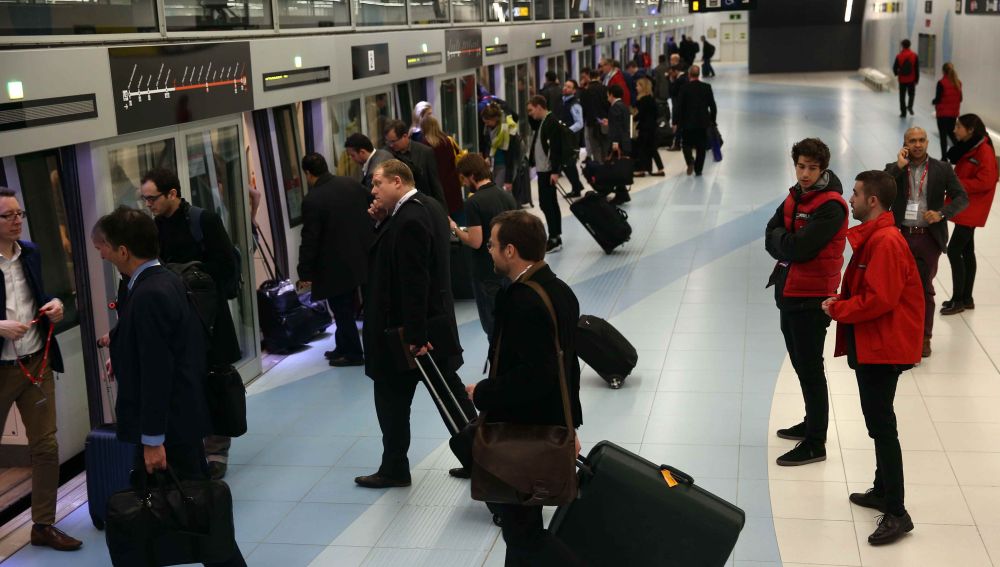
(605, 350)
(664, 130)
(108, 462)
(633, 512)
(605, 222)
(604, 177)
(521, 183)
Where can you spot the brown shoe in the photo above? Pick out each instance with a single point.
(378, 481)
(690, 169)
(927, 347)
(51, 536)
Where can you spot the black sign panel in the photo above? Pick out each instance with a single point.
(162, 85)
(576, 38)
(547, 42)
(369, 60)
(982, 8)
(498, 49)
(463, 49)
(40, 112)
(424, 59)
(701, 6)
(589, 32)
(296, 78)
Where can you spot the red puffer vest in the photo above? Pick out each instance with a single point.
(902, 57)
(819, 277)
(951, 99)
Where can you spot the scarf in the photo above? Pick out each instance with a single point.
(960, 149)
(502, 135)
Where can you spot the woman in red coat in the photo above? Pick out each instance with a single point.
(976, 167)
(947, 101)
(445, 151)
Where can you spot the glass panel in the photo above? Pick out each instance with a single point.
(510, 85)
(215, 171)
(559, 10)
(346, 120)
(313, 13)
(289, 159)
(70, 17)
(428, 11)
(48, 227)
(577, 9)
(542, 10)
(448, 101)
(467, 10)
(525, 88)
(377, 114)
(127, 165)
(195, 15)
(379, 12)
(470, 115)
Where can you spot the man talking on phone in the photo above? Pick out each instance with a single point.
(928, 193)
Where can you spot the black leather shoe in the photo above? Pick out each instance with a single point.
(890, 528)
(378, 481)
(795, 433)
(330, 354)
(803, 454)
(953, 309)
(460, 472)
(216, 470)
(574, 194)
(341, 361)
(868, 499)
(51, 536)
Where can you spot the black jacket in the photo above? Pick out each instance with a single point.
(410, 286)
(158, 349)
(618, 130)
(420, 159)
(553, 95)
(695, 106)
(647, 118)
(336, 236)
(941, 182)
(526, 386)
(31, 264)
(708, 51)
(378, 156)
(548, 129)
(177, 245)
(594, 100)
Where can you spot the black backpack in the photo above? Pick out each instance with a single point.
(231, 287)
(570, 144)
(907, 67)
(201, 292)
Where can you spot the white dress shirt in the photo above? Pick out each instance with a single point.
(20, 306)
(407, 197)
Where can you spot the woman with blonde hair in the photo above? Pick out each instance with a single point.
(420, 111)
(645, 144)
(446, 152)
(947, 102)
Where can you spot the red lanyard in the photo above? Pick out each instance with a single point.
(36, 380)
(920, 187)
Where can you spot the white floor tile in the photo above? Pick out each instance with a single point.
(809, 500)
(824, 542)
(928, 545)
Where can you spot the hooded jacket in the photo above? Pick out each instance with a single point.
(976, 168)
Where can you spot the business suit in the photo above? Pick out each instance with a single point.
(618, 133)
(368, 170)
(547, 133)
(333, 254)
(696, 112)
(928, 245)
(410, 287)
(525, 389)
(421, 161)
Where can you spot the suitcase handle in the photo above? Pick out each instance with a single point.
(680, 476)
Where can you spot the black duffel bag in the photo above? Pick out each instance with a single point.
(227, 402)
(604, 177)
(162, 520)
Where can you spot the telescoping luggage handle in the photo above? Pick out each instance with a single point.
(453, 426)
(267, 255)
(678, 476)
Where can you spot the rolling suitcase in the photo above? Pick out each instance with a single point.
(633, 512)
(108, 462)
(664, 130)
(521, 184)
(605, 222)
(605, 350)
(604, 177)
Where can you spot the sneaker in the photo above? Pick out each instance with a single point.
(794, 433)
(911, 111)
(803, 454)
(890, 528)
(868, 499)
(553, 245)
(927, 347)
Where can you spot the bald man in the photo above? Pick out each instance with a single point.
(923, 183)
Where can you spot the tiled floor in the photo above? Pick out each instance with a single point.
(711, 384)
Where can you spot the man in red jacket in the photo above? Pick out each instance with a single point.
(880, 327)
(906, 67)
(612, 75)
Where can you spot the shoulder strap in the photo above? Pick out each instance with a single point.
(563, 387)
(194, 220)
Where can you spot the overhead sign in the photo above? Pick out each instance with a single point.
(589, 32)
(982, 8)
(163, 85)
(547, 42)
(369, 60)
(424, 59)
(498, 49)
(296, 78)
(702, 6)
(463, 49)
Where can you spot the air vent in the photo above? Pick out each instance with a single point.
(57, 110)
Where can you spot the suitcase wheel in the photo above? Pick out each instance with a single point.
(615, 382)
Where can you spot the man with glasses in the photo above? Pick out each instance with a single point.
(175, 223)
(28, 355)
(418, 157)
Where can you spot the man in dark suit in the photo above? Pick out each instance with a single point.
(619, 135)
(158, 348)
(696, 112)
(922, 184)
(524, 386)
(410, 288)
(594, 100)
(27, 315)
(360, 149)
(333, 253)
(418, 157)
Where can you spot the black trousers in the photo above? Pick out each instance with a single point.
(393, 398)
(962, 257)
(926, 253)
(485, 291)
(646, 153)
(549, 204)
(946, 131)
(696, 140)
(706, 68)
(572, 172)
(529, 544)
(877, 386)
(347, 337)
(906, 89)
(805, 334)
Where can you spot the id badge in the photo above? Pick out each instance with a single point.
(912, 210)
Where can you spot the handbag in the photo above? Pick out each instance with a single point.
(526, 464)
(227, 402)
(170, 521)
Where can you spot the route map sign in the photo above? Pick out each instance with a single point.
(163, 85)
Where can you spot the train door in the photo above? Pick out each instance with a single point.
(457, 100)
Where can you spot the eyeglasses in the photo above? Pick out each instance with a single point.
(151, 199)
(489, 244)
(13, 215)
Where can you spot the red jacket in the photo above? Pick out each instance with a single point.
(977, 172)
(948, 104)
(820, 276)
(881, 296)
(914, 75)
(619, 79)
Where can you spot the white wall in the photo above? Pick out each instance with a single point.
(970, 42)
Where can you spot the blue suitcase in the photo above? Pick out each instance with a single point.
(109, 462)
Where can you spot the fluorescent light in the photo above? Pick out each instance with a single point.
(847, 11)
(15, 90)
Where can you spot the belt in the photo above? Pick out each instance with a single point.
(24, 359)
(915, 230)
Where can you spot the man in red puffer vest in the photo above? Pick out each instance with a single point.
(807, 235)
(906, 67)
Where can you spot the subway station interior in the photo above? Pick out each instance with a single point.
(232, 95)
